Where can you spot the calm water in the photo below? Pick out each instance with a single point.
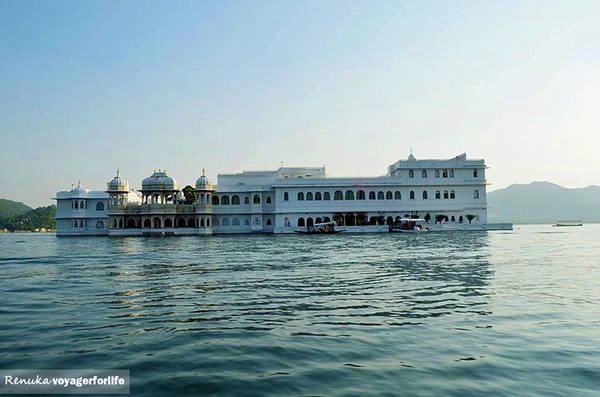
(502, 313)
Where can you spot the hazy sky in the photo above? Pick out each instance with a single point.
(87, 87)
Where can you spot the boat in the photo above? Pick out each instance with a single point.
(408, 225)
(568, 223)
(320, 228)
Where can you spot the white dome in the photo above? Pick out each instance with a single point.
(117, 184)
(159, 180)
(203, 183)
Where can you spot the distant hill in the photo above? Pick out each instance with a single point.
(9, 207)
(42, 217)
(543, 202)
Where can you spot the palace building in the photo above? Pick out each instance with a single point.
(449, 194)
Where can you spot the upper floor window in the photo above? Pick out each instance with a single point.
(371, 195)
(349, 195)
(360, 195)
(424, 174)
(246, 200)
(76, 206)
(445, 195)
(309, 196)
(286, 196)
(411, 173)
(388, 195)
(412, 195)
(99, 206)
(476, 194)
(338, 195)
(397, 195)
(445, 174)
(225, 200)
(326, 196)
(451, 173)
(318, 196)
(437, 195)
(452, 194)
(380, 196)
(256, 199)
(268, 199)
(235, 200)
(437, 173)
(475, 173)
(215, 200)
(424, 194)
(300, 196)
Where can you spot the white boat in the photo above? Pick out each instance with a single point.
(408, 225)
(568, 223)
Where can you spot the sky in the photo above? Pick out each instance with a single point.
(88, 87)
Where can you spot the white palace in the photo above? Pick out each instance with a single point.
(449, 194)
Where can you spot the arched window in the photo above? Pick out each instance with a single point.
(360, 195)
(397, 195)
(452, 194)
(235, 222)
(476, 194)
(207, 222)
(424, 194)
(215, 200)
(300, 196)
(224, 200)
(301, 222)
(201, 222)
(82, 204)
(147, 223)
(256, 199)
(76, 205)
(99, 206)
(225, 222)
(349, 195)
(286, 196)
(235, 200)
(338, 195)
(246, 200)
(326, 196)
(452, 219)
(318, 196)
(191, 222)
(326, 219)
(412, 195)
(309, 196)
(451, 173)
(424, 174)
(371, 195)
(411, 173)
(445, 174)
(437, 195)
(380, 196)
(318, 220)
(445, 194)
(168, 222)
(268, 222)
(475, 173)
(268, 199)
(460, 219)
(437, 173)
(388, 195)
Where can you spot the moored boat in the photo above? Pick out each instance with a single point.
(408, 225)
(568, 223)
(320, 228)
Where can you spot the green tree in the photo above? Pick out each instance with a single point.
(427, 217)
(190, 195)
(470, 217)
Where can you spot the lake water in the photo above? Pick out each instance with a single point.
(471, 313)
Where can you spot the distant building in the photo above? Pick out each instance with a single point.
(446, 192)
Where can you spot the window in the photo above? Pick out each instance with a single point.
(318, 196)
(397, 195)
(309, 196)
(452, 194)
(371, 195)
(437, 173)
(338, 195)
(207, 222)
(437, 195)
(412, 195)
(452, 219)
(268, 199)
(99, 206)
(268, 222)
(380, 196)
(215, 200)
(81, 223)
(411, 173)
(201, 222)
(300, 196)
(475, 173)
(360, 195)
(225, 201)
(424, 174)
(326, 196)
(76, 205)
(300, 222)
(256, 199)
(388, 195)
(286, 222)
(445, 174)
(286, 196)
(476, 194)
(349, 195)
(451, 173)
(246, 200)
(424, 194)
(445, 195)
(235, 200)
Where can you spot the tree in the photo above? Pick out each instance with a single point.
(470, 217)
(439, 218)
(190, 194)
(427, 217)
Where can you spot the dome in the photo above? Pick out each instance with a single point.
(203, 183)
(117, 184)
(79, 190)
(159, 180)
